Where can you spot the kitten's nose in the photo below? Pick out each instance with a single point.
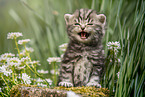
(82, 26)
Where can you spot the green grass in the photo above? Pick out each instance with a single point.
(42, 21)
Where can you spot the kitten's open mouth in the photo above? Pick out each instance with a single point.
(84, 35)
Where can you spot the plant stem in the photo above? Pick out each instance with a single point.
(28, 54)
(17, 47)
(37, 74)
(54, 67)
(34, 71)
(13, 76)
(114, 66)
(5, 83)
(4, 94)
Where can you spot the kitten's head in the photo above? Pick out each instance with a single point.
(85, 25)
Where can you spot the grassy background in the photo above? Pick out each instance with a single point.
(42, 21)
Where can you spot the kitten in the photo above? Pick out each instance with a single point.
(83, 61)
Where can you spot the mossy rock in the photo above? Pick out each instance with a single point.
(34, 91)
(87, 91)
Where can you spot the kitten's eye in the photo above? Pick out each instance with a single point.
(90, 24)
(77, 24)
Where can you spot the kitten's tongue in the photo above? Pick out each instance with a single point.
(83, 35)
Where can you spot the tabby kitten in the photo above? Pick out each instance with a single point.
(83, 61)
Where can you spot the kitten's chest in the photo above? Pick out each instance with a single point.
(82, 69)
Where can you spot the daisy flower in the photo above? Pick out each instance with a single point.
(115, 45)
(41, 85)
(15, 61)
(39, 80)
(4, 70)
(29, 49)
(63, 47)
(49, 81)
(54, 72)
(42, 71)
(12, 35)
(118, 74)
(35, 62)
(24, 59)
(53, 59)
(26, 78)
(6, 55)
(23, 42)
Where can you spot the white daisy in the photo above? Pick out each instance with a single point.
(7, 55)
(12, 35)
(24, 59)
(4, 70)
(54, 72)
(63, 47)
(29, 49)
(53, 59)
(23, 52)
(61, 56)
(39, 80)
(35, 63)
(21, 67)
(3, 59)
(41, 85)
(49, 81)
(42, 71)
(23, 42)
(15, 61)
(118, 74)
(26, 78)
(115, 45)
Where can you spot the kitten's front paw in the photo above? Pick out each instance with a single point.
(94, 84)
(65, 84)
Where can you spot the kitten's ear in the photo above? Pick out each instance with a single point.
(102, 18)
(67, 18)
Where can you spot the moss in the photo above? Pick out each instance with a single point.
(15, 90)
(87, 91)
(84, 91)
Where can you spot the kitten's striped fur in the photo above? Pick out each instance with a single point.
(83, 61)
